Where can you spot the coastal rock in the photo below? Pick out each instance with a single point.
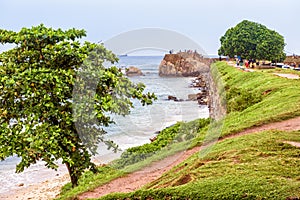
(199, 82)
(21, 185)
(153, 139)
(133, 71)
(192, 97)
(174, 98)
(202, 96)
(183, 64)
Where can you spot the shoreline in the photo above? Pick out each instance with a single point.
(48, 189)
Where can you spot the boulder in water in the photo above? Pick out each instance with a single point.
(133, 71)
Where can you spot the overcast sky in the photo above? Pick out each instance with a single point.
(203, 21)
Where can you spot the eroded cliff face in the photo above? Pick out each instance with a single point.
(184, 64)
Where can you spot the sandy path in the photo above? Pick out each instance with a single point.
(136, 180)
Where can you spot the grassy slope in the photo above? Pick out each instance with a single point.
(243, 167)
(252, 166)
(249, 167)
(280, 98)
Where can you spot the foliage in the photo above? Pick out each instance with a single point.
(252, 40)
(53, 90)
(179, 132)
(240, 99)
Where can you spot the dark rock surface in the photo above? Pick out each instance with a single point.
(202, 96)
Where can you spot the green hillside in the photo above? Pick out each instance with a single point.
(255, 166)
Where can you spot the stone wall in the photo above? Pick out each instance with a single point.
(217, 95)
(210, 94)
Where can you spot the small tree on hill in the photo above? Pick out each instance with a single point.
(252, 40)
(55, 96)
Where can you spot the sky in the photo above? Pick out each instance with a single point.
(202, 21)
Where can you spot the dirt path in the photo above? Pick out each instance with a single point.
(136, 180)
(283, 75)
(289, 76)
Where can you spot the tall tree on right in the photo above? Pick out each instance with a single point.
(252, 40)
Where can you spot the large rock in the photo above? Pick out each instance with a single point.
(133, 71)
(183, 64)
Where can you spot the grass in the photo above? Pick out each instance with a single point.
(255, 166)
(275, 98)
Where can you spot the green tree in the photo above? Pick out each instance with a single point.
(56, 96)
(252, 40)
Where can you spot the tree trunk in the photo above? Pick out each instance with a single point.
(73, 175)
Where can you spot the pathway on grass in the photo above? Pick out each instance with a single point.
(283, 75)
(136, 180)
(289, 76)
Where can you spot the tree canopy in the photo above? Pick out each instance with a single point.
(252, 40)
(56, 96)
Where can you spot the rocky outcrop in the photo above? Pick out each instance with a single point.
(184, 64)
(133, 71)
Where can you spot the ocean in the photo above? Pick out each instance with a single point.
(132, 130)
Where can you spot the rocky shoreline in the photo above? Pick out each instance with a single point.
(201, 83)
(192, 64)
(202, 97)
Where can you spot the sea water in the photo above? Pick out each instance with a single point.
(132, 130)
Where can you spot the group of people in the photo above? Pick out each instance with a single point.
(251, 63)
